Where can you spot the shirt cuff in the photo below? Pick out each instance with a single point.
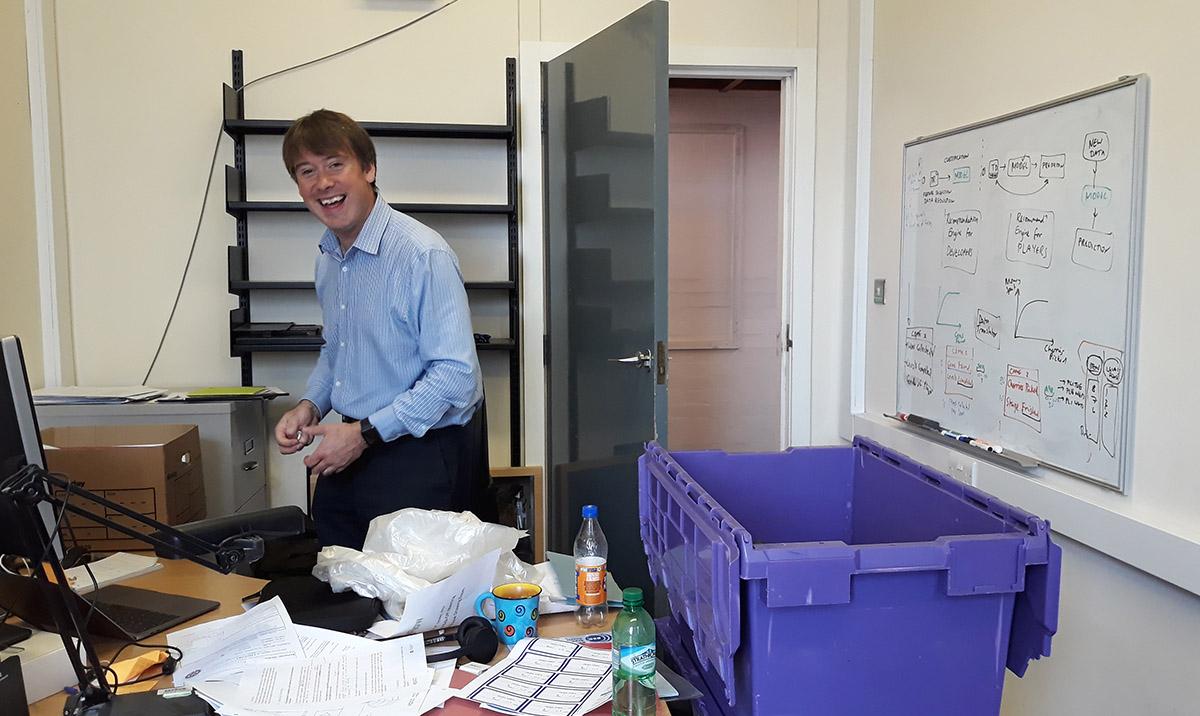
(323, 404)
(386, 422)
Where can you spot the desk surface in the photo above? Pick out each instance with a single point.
(187, 578)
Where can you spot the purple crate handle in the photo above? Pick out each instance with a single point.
(1035, 613)
(712, 604)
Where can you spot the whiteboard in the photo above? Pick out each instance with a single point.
(1020, 263)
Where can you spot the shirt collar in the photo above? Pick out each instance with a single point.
(368, 237)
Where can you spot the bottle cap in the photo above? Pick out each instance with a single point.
(632, 596)
(590, 511)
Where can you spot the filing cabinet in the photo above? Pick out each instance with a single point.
(233, 442)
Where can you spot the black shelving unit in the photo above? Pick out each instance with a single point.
(241, 284)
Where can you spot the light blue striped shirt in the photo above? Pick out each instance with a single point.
(398, 342)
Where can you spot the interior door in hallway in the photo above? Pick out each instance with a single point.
(724, 266)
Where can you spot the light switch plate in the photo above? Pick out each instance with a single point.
(879, 290)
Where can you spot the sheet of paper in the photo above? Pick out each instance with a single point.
(263, 634)
(443, 672)
(392, 670)
(322, 643)
(382, 707)
(545, 677)
(664, 688)
(436, 697)
(448, 602)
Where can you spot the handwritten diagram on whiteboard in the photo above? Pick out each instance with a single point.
(1019, 277)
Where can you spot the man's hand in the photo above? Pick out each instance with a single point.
(341, 444)
(288, 431)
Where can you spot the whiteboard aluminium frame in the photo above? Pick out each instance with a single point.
(1141, 105)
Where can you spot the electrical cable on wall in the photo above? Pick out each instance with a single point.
(216, 150)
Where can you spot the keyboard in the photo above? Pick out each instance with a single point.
(135, 620)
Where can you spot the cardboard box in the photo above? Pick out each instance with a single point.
(153, 470)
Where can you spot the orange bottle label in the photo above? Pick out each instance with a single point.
(590, 584)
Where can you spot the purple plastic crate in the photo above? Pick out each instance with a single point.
(846, 580)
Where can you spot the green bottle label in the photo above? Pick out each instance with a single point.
(634, 662)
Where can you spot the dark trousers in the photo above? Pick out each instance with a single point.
(445, 469)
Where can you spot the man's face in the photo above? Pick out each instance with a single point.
(337, 190)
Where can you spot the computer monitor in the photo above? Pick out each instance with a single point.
(20, 441)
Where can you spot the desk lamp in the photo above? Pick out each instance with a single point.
(21, 497)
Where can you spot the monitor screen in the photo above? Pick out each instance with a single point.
(20, 442)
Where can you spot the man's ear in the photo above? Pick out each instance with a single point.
(370, 174)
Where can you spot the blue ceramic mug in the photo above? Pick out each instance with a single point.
(516, 607)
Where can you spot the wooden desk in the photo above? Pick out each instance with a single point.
(180, 577)
(184, 577)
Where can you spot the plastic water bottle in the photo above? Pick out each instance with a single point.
(591, 570)
(633, 658)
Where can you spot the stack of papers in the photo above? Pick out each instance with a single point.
(77, 395)
(222, 392)
(545, 677)
(261, 664)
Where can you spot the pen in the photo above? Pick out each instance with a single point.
(922, 422)
(987, 446)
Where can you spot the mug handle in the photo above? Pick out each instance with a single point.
(479, 605)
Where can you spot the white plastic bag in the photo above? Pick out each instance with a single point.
(433, 544)
(412, 548)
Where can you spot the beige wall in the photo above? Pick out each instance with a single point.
(141, 90)
(140, 100)
(141, 110)
(20, 305)
(833, 201)
(940, 64)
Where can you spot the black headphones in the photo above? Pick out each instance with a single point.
(476, 640)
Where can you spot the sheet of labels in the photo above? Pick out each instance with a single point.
(545, 677)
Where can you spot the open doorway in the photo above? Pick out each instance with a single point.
(725, 263)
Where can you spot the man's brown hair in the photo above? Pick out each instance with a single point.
(326, 132)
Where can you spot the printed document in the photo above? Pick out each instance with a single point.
(227, 646)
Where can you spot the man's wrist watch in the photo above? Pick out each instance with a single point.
(370, 434)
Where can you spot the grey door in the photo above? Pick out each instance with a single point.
(606, 278)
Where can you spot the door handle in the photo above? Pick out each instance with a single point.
(641, 359)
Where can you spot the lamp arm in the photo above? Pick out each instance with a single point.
(21, 496)
(226, 558)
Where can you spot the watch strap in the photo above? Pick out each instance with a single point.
(370, 433)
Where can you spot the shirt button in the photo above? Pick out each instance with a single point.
(338, 383)
(343, 306)
(345, 269)
(342, 344)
